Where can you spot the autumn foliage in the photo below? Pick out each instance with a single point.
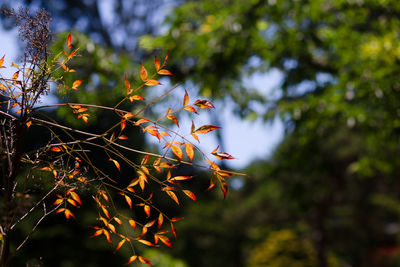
(66, 158)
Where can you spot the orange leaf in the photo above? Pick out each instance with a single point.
(144, 260)
(145, 159)
(69, 40)
(76, 197)
(156, 63)
(127, 85)
(206, 128)
(116, 163)
(127, 116)
(223, 185)
(131, 259)
(191, 109)
(72, 202)
(147, 210)
(143, 73)
(76, 84)
(177, 151)
(118, 220)
(222, 155)
(190, 194)
(152, 82)
(160, 220)
(147, 243)
(1, 62)
(189, 151)
(173, 196)
(15, 75)
(68, 214)
(166, 241)
(173, 118)
(185, 99)
(196, 137)
(181, 178)
(58, 201)
(166, 59)
(164, 72)
(128, 200)
(105, 211)
(132, 223)
(173, 230)
(141, 121)
(122, 137)
(135, 97)
(120, 244)
(123, 124)
(56, 149)
(204, 104)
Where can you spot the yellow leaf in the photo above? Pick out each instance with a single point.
(177, 151)
(189, 151)
(185, 99)
(76, 84)
(152, 82)
(156, 63)
(164, 72)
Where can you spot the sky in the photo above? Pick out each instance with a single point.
(244, 140)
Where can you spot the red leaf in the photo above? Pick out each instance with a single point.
(120, 244)
(160, 220)
(56, 149)
(206, 128)
(166, 59)
(204, 104)
(76, 197)
(141, 121)
(173, 230)
(147, 210)
(69, 40)
(143, 73)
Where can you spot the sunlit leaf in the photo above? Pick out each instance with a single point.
(76, 84)
(127, 116)
(173, 196)
(58, 201)
(177, 151)
(68, 214)
(69, 39)
(127, 86)
(181, 178)
(122, 137)
(173, 118)
(120, 244)
(141, 121)
(76, 197)
(189, 151)
(191, 109)
(131, 259)
(221, 155)
(157, 64)
(15, 75)
(144, 260)
(123, 124)
(132, 223)
(205, 104)
(160, 220)
(135, 97)
(143, 73)
(206, 128)
(128, 200)
(196, 137)
(173, 230)
(118, 220)
(147, 243)
(147, 210)
(166, 241)
(190, 194)
(116, 163)
(164, 72)
(1, 62)
(152, 82)
(56, 149)
(185, 99)
(72, 202)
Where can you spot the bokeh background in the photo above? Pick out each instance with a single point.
(308, 96)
